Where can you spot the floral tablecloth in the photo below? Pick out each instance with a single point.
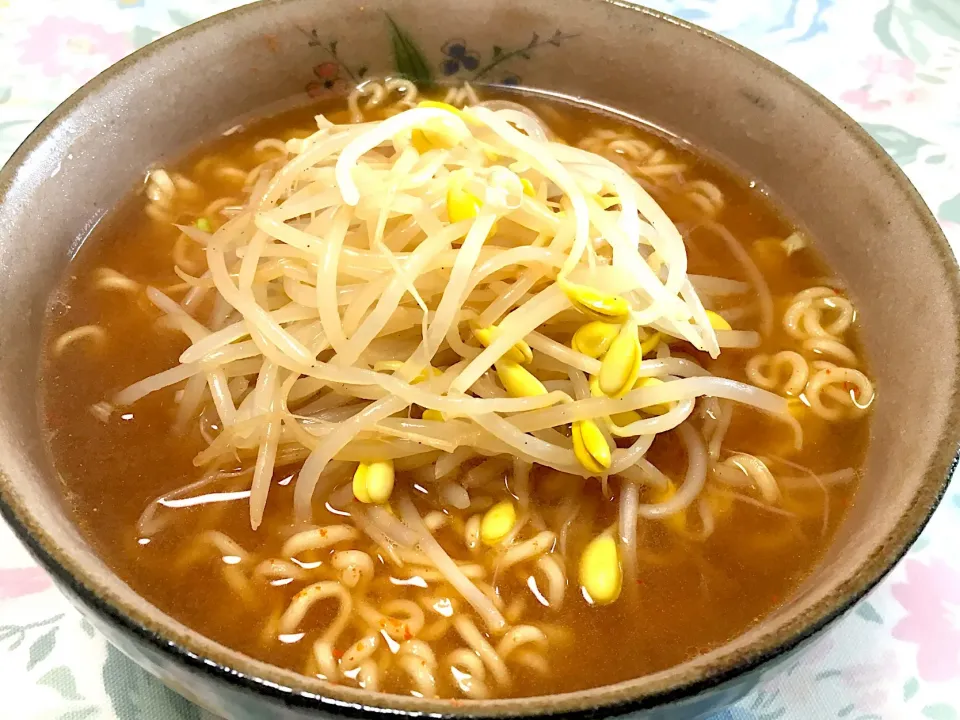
(892, 64)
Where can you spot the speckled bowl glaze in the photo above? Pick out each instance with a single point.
(822, 168)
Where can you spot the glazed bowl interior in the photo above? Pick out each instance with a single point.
(817, 164)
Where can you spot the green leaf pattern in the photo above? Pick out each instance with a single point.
(950, 210)
(81, 714)
(41, 648)
(910, 688)
(902, 146)
(408, 59)
(914, 28)
(135, 694)
(61, 679)
(868, 612)
(940, 711)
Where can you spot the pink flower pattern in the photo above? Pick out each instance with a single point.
(328, 82)
(17, 582)
(927, 595)
(71, 47)
(889, 82)
(873, 684)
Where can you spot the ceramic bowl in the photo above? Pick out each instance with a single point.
(814, 160)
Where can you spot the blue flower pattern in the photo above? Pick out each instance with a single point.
(458, 56)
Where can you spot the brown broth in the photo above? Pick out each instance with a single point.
(691, 597)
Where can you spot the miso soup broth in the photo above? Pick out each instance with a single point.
(461, 400)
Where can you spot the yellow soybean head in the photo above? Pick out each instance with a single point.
(625, 418)
(387, 365)
(528, 188)
(439, 106)
(720, 502)
(421, 142)
(600, 573)
(204, 224)
(604, 202)
(360, 484)
(497, 522)
(594, 338)
(393, 365)
(659, 408)
(434, 134)
(427, 372)
(596, 304)
(621, 364)
(464, 114)
(595, 390)
(517, 380)
(464, 205)
(768, 252)
(797, 407)
(812, 428)
(484, 335)
(678, 520)
(649, 343)
(590, 447)
(461, 205)
(655, 261)
(520, 352)
(717, 322)
(436, 415)
(373, 481)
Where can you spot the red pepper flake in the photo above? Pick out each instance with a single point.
(337, 653)
(323, 532)
(407, 635)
